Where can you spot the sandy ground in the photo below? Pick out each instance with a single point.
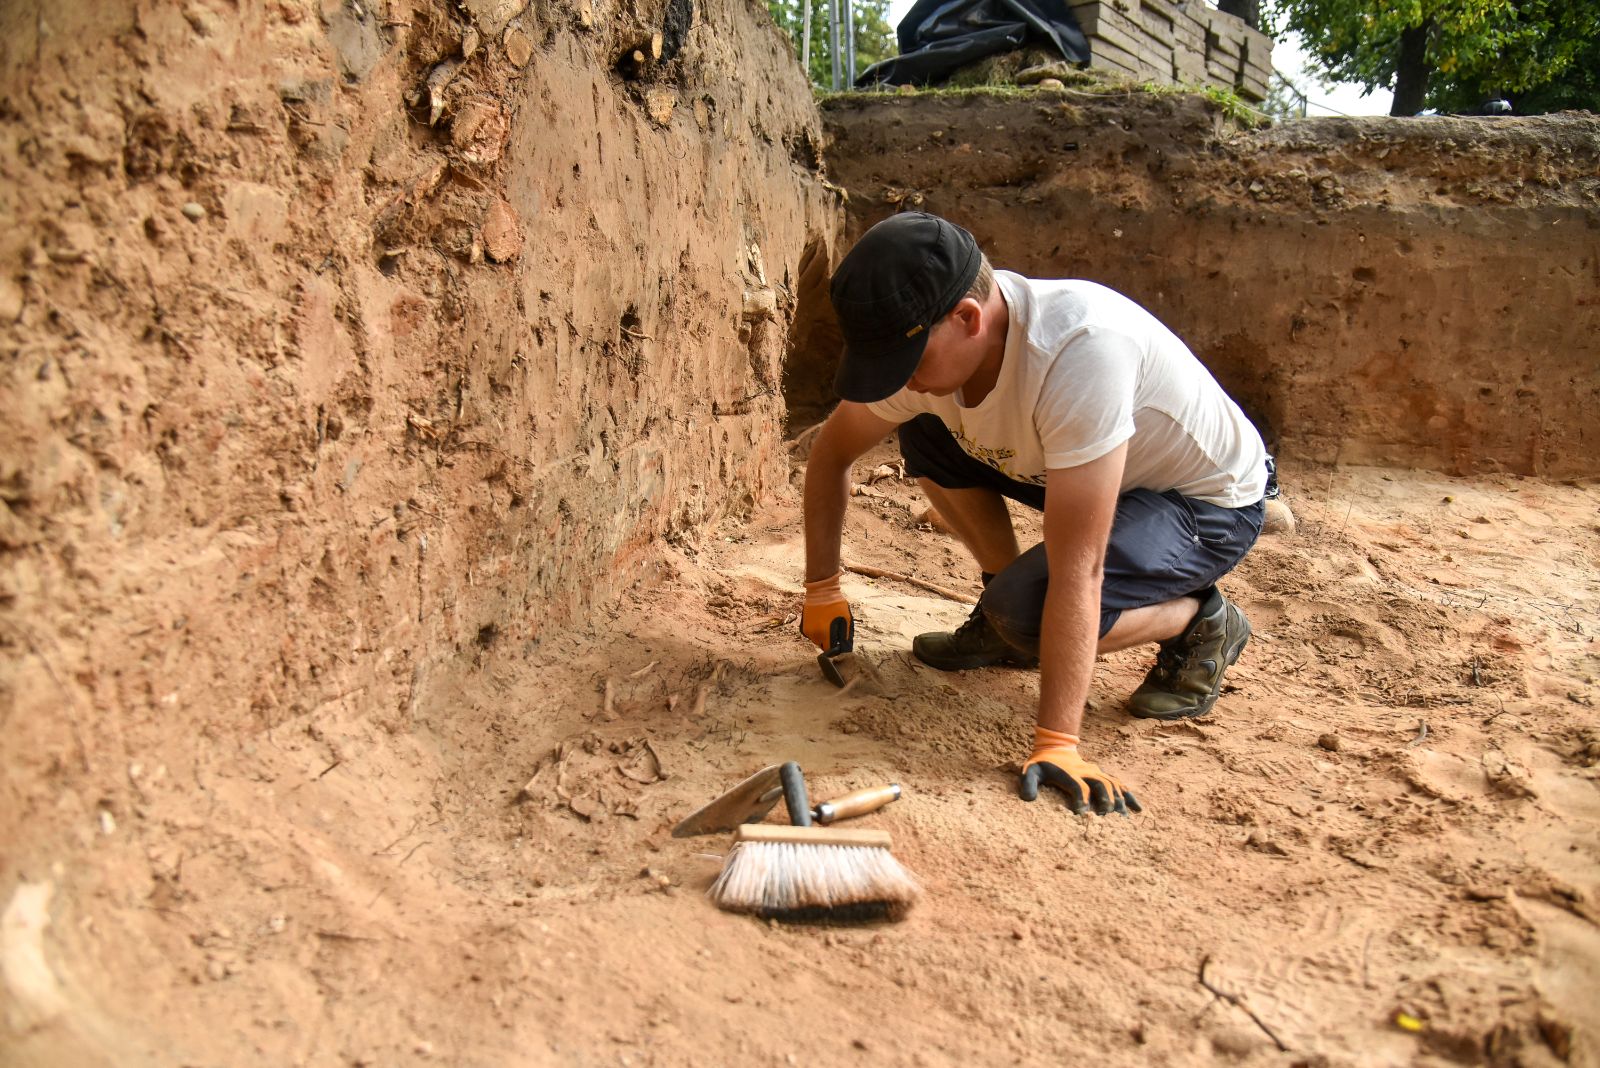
(1392, 809)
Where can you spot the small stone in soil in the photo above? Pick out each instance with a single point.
(1235, 1041)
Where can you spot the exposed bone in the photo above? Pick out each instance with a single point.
(438, 80)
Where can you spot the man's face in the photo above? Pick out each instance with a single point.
(952, 354)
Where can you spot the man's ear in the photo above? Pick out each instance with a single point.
(969, 313)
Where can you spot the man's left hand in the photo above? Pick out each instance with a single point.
(825, 617)
(1057, 762)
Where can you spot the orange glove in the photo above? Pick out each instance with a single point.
(826, 618)
(1056, 761)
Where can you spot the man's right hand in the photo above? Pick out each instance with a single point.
(825, 604)
(1056, 762)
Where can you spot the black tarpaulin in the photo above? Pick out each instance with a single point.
(939, 37)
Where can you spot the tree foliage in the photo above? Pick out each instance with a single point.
(1454, 54)
(875, 38)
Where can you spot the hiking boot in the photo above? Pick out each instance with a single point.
(1188, 672)
(974, 644)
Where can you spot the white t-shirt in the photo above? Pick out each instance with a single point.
(1086, 369)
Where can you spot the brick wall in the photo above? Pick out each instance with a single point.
(1176, 42)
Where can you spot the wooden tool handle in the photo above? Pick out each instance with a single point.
(857, 804)
(777, 832)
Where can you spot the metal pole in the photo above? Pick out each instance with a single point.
(833, 39)
(805, 38)
(850, 40)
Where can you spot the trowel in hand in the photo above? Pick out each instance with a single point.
(840, 646)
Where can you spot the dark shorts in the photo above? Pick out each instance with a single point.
(1163, 545)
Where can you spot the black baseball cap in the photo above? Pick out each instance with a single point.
(904, 275)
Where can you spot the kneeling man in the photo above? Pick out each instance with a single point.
(1070, 398)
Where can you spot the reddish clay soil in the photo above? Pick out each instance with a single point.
(396, 540)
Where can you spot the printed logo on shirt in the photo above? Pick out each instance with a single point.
(999, 459)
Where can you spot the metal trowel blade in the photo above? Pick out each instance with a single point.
(837, 668)
(749, 801)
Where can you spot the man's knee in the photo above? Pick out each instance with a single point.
(1020, 638)
(1013, 602)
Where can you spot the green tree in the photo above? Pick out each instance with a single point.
(1578, 89)
(875, 38)
(1453, 54)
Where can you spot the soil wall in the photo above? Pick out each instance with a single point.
(344, 340)
(1366, 288)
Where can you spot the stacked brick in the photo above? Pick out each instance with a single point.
(1176, 42)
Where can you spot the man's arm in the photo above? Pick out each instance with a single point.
(851, 430)
(1079, 506)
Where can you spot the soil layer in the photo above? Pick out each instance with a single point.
(344, 340)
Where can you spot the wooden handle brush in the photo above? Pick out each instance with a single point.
(806, 874)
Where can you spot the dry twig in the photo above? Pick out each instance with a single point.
(880, 573)
(1238, 1002)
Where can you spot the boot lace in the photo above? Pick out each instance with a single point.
(1170, 660)
(974, 630)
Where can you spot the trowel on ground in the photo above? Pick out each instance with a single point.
(749, 802)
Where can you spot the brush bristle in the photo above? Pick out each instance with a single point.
(807, 883)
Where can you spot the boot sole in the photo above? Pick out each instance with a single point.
(1229, 658)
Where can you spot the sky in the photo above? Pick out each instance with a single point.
(1339, 99)
(1289, 60)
